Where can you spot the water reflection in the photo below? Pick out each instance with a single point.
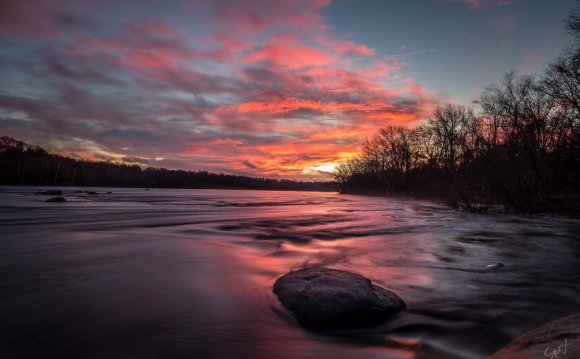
(188, 273)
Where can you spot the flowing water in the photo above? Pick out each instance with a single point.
(165, 273)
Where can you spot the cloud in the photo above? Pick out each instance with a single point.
(249, 164)
(41, 19)
(536, 58)
(254, 87)
(291, 57)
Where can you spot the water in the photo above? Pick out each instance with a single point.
(188, 274)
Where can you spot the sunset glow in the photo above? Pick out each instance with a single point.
(261, 88)
(289, 179)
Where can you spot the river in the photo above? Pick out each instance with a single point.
(165, 273)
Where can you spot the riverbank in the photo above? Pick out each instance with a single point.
(567, 205)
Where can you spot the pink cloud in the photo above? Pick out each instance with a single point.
(28, 19)
(292, 57)
(352, 48)
(535, 59)
(241, 87)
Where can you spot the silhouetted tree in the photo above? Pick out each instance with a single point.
(522, 149)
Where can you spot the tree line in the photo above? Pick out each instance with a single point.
(25, 164)
(520, 149)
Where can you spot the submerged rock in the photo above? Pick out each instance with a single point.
(323, 298)
(555, 339)
(56, 199)
(51, 192)
(494, 266)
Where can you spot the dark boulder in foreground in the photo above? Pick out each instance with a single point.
(56, 199)
(51, 192)
(323, 298)
(556, 339)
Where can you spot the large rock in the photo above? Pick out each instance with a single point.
(557, 339)
(323, 298)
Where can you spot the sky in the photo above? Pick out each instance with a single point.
(269, 88)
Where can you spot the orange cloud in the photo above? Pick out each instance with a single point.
(289, 105)
(262, 88)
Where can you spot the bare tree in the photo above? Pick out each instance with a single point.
(449, 125)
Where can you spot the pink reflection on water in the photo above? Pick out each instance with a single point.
(192, 271)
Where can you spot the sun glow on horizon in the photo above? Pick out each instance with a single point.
(326, 168)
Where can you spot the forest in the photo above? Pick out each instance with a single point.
(25, 164)
(519, 150)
